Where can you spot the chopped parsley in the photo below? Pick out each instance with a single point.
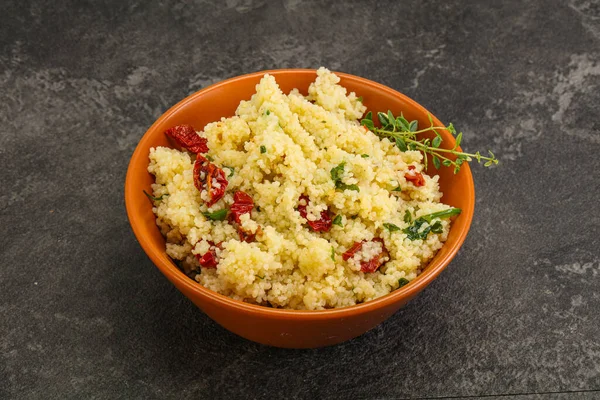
(338, 220)
(263, 149)
(402, 282)
(218, 215)
(391, 227)
(336, 176)
(412, 231)
(231, 170)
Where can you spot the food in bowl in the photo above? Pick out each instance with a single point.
(296, 203)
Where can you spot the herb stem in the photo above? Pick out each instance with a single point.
(452, 151)
(441, 214)
(406, 137)
(159, 198)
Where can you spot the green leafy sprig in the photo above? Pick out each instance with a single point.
(404, 134)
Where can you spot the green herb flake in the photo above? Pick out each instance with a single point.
(403, 282)
(343, 186)
(391, 227)
(364, 155)
(437, 227)
(407, 217)
(332, 254)
(231, 170)
(360, 98)
(397, 189)
(413, 231)
(218, 215)
(263, 149)
(336, 176)
(268, 112)
(209, 158)
(336, 172)
(338, 220)
(159, 198)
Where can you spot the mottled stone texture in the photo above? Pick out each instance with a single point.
(85, 314)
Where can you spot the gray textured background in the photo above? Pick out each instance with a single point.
(85, 314)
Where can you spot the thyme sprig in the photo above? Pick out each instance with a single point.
(404, 134)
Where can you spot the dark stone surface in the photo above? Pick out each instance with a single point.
(85, 314)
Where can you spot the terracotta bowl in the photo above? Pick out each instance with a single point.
(277, 327)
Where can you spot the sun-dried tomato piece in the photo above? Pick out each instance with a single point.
(377, 261)
(186, 137)
(348, 254)
(207, 173)
(200, 172)
(374, 263)
(209, 259)
(242, 204)
(321, 225)
(247, 236)
(415, 177)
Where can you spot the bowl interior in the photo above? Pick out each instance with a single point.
(221, 100)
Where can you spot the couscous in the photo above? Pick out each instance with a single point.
(292, 203)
